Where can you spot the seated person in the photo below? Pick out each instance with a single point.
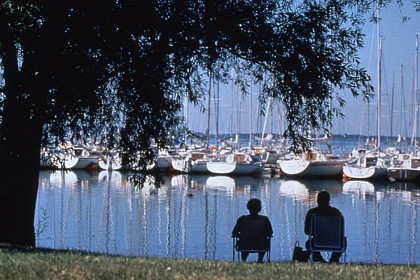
(253, 230)
(323, 209)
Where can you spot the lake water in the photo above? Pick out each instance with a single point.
(192, 216)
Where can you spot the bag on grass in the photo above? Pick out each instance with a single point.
(299, 255)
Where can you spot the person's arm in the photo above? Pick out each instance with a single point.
(236, 229)
(269, 229)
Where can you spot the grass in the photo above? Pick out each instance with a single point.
(51, 264)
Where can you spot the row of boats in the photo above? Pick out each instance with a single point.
(360, 164)
(202, 161)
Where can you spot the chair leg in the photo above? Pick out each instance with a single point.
(316, 257)
(233, 249)
(335, 257)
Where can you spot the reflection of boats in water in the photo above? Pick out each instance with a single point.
(304, 187)
(214, 181)
(69, 178)
(357, 186)
(114, 177)
(316, 185)
(403, 185)
(61, 177)
(223, 183)
(293, 189)
(94, 212)
(410, 192)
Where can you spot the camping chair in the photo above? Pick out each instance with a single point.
(327, 234)
(252, 239)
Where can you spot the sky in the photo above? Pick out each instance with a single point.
(398, 66)
(398, 48)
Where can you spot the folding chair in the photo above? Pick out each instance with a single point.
(252, 239)
(327, 235)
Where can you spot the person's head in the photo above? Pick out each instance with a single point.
(254, 206)
(323, 198)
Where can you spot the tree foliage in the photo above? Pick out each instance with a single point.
(75, 69)
(126, 64)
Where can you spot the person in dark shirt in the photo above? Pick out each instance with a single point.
(253, 230)
(323, 209)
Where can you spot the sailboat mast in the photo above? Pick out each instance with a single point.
(416, 91)
(403, 132)
(208, 110)
(392, 105)
(217, 109)
(265, 119)
(379, 73)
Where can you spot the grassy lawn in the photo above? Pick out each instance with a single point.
(44, 264)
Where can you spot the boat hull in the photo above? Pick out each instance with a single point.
(306, 168)
(365, 173)
(404, 174)
(111, 163)
(81, 163)
(163, 162)
(233, 168)
(190, 167)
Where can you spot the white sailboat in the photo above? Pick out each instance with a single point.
(81, 159)
(366, 165)
(369, 165)
(407, 167)
(235, 163)
(312, 164)
(163, 160)
(191, 162)
(110, 161)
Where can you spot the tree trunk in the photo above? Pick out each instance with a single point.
(20, 139)
(19, 162)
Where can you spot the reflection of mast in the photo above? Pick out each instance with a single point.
(376, 239)
(414, 227)
(206, 222)
(210, 226)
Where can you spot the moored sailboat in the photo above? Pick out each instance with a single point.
(235, 163)
(370, 165)
(367, 165)
(407, 166)
(312, 164)
(191, 162)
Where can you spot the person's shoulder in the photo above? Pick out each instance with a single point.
(312, 211)
(264, 217)
(336, 211)
(256, 217)
(243, 217)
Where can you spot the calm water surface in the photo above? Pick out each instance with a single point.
(192, 216)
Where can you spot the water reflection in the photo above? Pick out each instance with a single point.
(192, 216)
